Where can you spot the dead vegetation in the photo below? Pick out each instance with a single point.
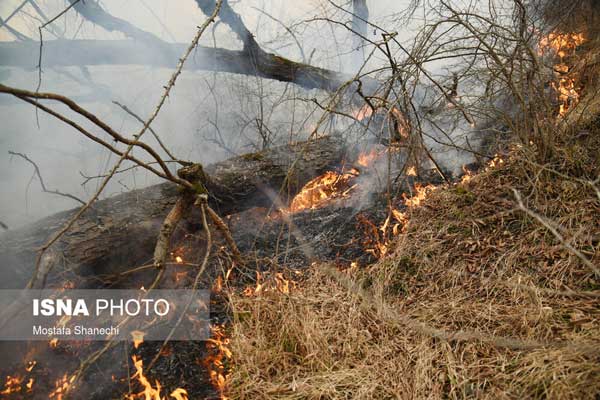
(478, 300)
(490, 289)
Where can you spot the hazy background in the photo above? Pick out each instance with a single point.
(199, 102)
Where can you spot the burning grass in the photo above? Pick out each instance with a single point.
(475, 299)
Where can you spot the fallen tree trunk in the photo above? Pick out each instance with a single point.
(122, 230)
(70, 53)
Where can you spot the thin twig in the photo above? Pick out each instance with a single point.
(42, 184)
(222, 226)
(161, 144)
(556, 234)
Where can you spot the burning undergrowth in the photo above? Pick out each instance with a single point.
(339, 216)
(475, 299)
(375, 280)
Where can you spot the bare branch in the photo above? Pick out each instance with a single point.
(42, 184)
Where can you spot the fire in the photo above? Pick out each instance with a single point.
(367, 159)
(322, 190)
(411, 171)
(566, 86)
(150, 392)
(274, 283)
(180, 394)
(216, 363)
(12, 385)
(421, 193)
(561, 43)
(377, 240)
(30, 366)
(332, 185)
(61, 386)
(53, 343)
(179, 260)
(496, 161)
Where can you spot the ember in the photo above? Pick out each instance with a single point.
(61, 386)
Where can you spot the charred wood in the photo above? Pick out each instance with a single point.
(120, 232)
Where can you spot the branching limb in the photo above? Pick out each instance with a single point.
(161, 250)
(202, 203)
(222, 226)
(160, 143)
(25, 94)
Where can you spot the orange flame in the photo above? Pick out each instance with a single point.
(150, 392)
(566, 85)
(275, 283)
(216, 363)
(12, 385)
(322, 190)
(61, 386)
(367, 159)
(364, 112)
(420, 194)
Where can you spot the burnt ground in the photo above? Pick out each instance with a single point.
(340, 232)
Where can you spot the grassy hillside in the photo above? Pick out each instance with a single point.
(482, 297)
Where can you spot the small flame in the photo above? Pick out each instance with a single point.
(30, 366)
(274, 283)
(152, 392)
(53, 343)
(179, 260)
(322, 190)
(61, 386)
(411, 171)
(216, 362)
(420, 194)
(367, 159)
(364, 112)
(180, 394)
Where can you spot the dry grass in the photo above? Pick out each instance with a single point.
(469, 261)
(479, 299)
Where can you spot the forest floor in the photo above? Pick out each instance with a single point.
(487, 291)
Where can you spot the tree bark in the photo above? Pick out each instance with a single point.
(120, 232)
(68, 53)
